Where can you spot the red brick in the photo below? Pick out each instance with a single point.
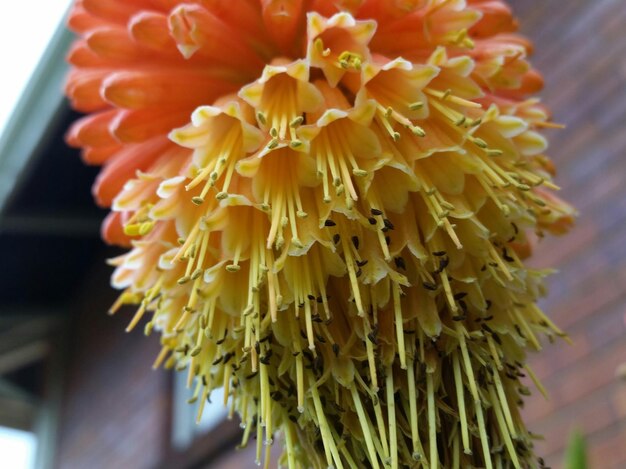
(115, 411)
(607, 450)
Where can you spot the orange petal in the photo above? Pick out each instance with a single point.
(114, 43)
(166, 5)
(151, 30)
(123, 167)
(149, 88)
(283, 19)
(385, 11)
(80, 55)
(83, 89)
(112, 230)
(99, 155)
(81, 21)
(560, 216)
(116, 11)
(142, 124)
(92, 130)
(497, 18)
(246, 18)
(532, 82)
(523, 250)
(195, 29)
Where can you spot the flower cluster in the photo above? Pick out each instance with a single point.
(336, 234)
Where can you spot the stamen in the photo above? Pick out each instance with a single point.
(460, 397)
(432, 423)
(348, 59)
(503, 428)
(391, 417)
(399, 324)
(364, 421)
(482, 431)
(448, 96)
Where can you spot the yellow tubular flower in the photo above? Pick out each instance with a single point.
(336, 236)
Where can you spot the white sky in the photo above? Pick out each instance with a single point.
(26, 28)
(17, 448)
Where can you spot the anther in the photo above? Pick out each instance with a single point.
(494, 152)
(146, 228)
(479, 142)
(296, 122)
(416, 130)
(400, 264)
(388, 224)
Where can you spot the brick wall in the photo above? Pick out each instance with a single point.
(115, 408)
(581, 49)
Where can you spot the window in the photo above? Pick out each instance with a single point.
(185, 429)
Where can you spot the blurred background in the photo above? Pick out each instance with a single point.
(76, 391)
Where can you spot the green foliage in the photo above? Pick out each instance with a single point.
(576, 454)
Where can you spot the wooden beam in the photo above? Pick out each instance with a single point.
(23, 356)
